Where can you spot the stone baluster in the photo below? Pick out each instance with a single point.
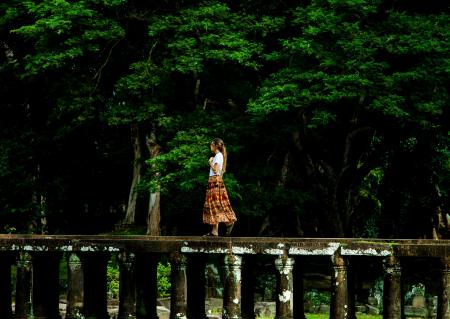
(24, 267)
(146, 286)
(443, 310)
(232, 287)
(127, 286)
(95, 285)
(178, 296)
(46, 285)
(75, 287)
(248, 287)
(392, 298)
(285, 287)
(339, 308)
(5, 284)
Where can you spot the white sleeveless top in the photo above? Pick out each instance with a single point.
(219, 160)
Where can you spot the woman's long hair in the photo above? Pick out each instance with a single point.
(221, 147)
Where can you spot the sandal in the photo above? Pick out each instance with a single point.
(210, 234)
(229, 229)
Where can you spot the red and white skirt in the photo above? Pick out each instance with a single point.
(217, 208)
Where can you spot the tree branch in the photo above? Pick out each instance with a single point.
(98, 75)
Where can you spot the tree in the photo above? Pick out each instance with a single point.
(335, 114)
(345, 83)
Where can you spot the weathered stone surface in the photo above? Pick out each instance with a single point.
(339, 307)
(324, 309)
(178, 303)
(411, 311)
(265, 309)
(361, 309)
(222, 245)
(372, 310)
(443, 311)
(163, 302)
(163, 312)
(127, 289)
(309, 307)
(189, 246)
(23, 286)
(212, 304)
(372, 301)
(418, 302)
(232, 287)
(392, 305)
(285, 289)
(75, 287)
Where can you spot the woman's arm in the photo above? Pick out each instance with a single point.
(214, 167)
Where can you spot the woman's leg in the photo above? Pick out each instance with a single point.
(215, 229)
(229, 228)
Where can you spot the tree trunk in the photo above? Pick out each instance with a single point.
(154, 211)
(39, 221)
(197, 88)
(337, 187)
(137, 168)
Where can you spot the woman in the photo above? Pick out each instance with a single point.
(217, 208)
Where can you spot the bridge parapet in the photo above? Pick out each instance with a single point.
(37, 261)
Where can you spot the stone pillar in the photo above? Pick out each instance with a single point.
(196, 294)
(95, 285)
(285, 287)
(75, 287)
(232, 287)
(5, 284)
(299, 309)
(24, 269)
(146, 286)
(127, 287)
(392, 298)
(178, 296)
(339, 308)
(443, 311)
(248, 287)
(46, 285)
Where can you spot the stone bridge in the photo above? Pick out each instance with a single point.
(37, 259)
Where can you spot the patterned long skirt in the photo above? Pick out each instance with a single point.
(217, 208)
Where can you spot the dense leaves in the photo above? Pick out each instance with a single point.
(335, 114)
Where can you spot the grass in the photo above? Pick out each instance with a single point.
(327, 316)
(313, 315)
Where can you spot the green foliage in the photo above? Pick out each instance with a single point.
(184, 167)
(377, 291)
(113, 279)
(316, 297)
(415, 290)
(62, 32)
(209, 32)
(331, 109)
(337, 57)
(326, 315)
(163, 279)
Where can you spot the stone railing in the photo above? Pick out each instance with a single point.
(37, 260)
